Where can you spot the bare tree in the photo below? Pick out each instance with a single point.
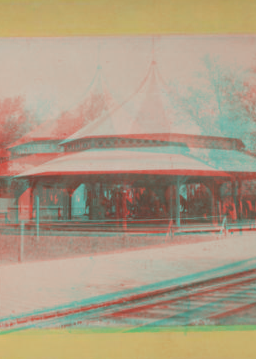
(216, 102)
(248, 97)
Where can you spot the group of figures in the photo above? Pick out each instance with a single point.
(97, 202)
(126, 203)
(146, 202)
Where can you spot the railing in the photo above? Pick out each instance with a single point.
(167, 232)
(17, 213)
(213, 225)
(224, 227)
(50, 212)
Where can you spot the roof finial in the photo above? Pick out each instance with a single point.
(98, 55)
(153, 51)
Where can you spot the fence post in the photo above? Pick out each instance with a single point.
(124, 210)
(224, 226)
(169, 230)
(16, 213)
(37, 218)
(21, 254)
(178, 202)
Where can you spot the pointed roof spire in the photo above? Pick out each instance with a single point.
(153, 51)
(145, 111)
(99, 67)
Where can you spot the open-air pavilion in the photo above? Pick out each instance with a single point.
(141, 162)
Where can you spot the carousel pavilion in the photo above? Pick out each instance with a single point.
(136, 162)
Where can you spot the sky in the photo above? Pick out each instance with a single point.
(53, 74)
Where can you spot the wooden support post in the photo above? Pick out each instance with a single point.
(178, 202)
(171, 203)
(124, 209)
(31, 200)
(21, 253)
(234, 196)
(220, 209)
(239, 200)
(37, 217)
(16, 209)
(64, 212)
(70, 205)
(118, 206)
(214, 219)
(66, 205)
(31, 203)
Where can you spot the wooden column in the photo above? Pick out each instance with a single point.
(69, 204)
(118, 209)
(214, 193)
(16, 211)
(89, 200)
(31, 204)
(65, 205)
(124, 209)
(178, 201)
(171, 202)
(218, 203)
(37, 216)
(234, 196)
(19, 189)
(239, 200)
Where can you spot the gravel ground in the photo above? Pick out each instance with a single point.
(35, 285)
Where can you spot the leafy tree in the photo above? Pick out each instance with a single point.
(216, 102)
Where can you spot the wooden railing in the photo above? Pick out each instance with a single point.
(198, 227)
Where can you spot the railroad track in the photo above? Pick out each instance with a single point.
(204, 302)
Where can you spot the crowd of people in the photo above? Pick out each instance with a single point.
(151, 202)
(127, 203)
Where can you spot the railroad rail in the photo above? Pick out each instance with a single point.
(199, 303)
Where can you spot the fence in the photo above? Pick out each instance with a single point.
(31, 240)
(214, 226)
(15, 214)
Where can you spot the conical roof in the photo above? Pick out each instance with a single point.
(98, 101)
(147, 111)
(150, 106)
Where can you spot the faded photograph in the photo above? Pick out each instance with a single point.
(127, 182)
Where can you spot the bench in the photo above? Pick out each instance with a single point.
(197, 228)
